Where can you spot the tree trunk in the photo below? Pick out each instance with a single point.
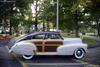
(11, 15)
(36, 28)
(48, 26)
(43, 26)
(36, 17)
(10, 33)
(98, 28)
(76, 29)
(76, 19)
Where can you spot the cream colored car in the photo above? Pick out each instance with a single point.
(48, 43)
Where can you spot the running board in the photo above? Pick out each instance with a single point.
(47, 53)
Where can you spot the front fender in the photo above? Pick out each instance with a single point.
(23, 48)
(70, 48)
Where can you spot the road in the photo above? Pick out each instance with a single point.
(93, 56)
(6, 59)
(11, 60)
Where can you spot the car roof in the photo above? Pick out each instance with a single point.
(34, 33)
(49, 32)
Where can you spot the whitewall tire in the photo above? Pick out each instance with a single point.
(79, 53)
(27, 57)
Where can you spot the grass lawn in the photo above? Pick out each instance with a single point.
(87, 40)
(68, 35)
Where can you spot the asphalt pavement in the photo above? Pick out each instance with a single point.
(6, 59)
(93, 56)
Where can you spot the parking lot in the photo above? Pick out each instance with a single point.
(13, 60)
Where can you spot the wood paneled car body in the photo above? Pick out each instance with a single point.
(50, 43)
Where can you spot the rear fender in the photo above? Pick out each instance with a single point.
(23, 48)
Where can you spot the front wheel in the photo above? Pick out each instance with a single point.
(79, 53)
(27, 57)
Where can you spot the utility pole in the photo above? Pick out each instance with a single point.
(57, 18)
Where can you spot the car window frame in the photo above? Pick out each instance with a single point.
(38, 34)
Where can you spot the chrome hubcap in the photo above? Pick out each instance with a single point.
(79, 53)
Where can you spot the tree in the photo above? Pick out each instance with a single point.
(12, 10)
(48, 13)
(92, 7)
(66, 10)
(37, 9)
(69, 15)
(95, 13)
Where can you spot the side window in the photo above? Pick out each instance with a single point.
(38, 36)
(53, 36)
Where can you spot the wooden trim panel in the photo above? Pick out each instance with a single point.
(54, 42)
(51, 48)
(39, 48)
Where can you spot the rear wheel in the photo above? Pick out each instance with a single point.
(27, 57)
(79, 53)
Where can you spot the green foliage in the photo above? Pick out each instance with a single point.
(23, 4)
(14, 12)
(70, 14)
(66, 9)
(48, 11)
(93, 8)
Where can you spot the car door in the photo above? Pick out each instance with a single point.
(51, 42)
(38, 41)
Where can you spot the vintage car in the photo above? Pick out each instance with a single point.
(47, 43)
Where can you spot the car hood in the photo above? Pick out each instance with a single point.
(72, 40)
